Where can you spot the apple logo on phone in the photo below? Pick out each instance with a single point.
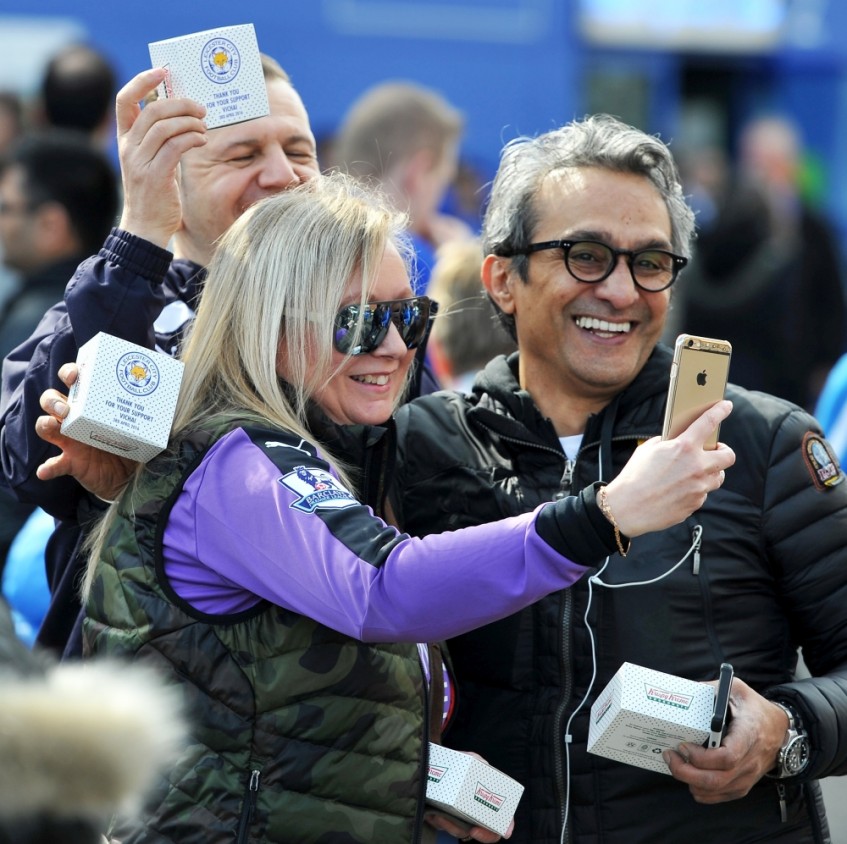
(701, 378)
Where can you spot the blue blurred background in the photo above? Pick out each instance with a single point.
(692, 70)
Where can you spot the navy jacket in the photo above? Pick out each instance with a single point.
(129, 286)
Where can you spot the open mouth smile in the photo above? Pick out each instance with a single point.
(378, 380)
(602, 327)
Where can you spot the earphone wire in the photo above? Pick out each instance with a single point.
(567, 736)
(697, 533)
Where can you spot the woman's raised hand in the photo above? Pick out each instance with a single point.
(665, 481)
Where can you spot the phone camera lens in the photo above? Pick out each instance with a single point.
(690, 343)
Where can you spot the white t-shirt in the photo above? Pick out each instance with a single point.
(570, 445)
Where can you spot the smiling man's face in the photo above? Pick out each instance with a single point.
(579, 341)
(241, 164)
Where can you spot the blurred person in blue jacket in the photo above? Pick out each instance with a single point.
(831, 409)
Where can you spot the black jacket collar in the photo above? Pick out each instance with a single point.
(501, 405)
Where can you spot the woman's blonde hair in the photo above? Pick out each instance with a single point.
(274, 286)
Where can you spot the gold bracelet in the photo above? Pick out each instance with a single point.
(607, 512)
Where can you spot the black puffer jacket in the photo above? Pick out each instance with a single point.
(771, 577)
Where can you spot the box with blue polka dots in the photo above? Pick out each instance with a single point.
(220, 68)
(641, 713)
(462, 786)
(124, 398)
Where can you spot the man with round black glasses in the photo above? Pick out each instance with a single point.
(585, 234)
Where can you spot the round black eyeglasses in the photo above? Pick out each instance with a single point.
(591, 261)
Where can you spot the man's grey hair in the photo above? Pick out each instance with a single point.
(597, 141)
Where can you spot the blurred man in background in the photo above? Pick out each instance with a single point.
(467, 333)
(11, 128)
(406, 138)
(78, 92)
(58, 200)
(767, 273)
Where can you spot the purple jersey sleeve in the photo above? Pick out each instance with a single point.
(248, 526)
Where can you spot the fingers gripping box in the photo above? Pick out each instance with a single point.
(220, 68)
(462, 785)
(124, 398)
(642, 713)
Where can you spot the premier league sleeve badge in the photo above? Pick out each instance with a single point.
(316, 489)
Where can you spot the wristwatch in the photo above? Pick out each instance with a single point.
(793, 756)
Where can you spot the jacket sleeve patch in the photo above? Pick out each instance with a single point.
(316, 489)
(821, 462)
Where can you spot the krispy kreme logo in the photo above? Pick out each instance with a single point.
(658, 695)
(603, 709)
(488, 798)
(436, 773)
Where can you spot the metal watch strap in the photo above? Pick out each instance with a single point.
(792, 717)
(794, 732)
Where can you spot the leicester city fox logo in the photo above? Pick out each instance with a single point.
(316, 489)
(137, 373)
(221, 60)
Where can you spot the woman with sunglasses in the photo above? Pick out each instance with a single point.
(243, 563)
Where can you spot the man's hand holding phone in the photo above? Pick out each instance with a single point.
(699, 374)
(720, 713)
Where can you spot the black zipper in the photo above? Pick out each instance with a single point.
(783, 805)
(540, 446)
(562, 787)
(566, 668)
(566, 481)
(697, 542)
(565, 489)
(248, 809)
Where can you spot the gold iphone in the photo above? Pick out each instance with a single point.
(699, 374)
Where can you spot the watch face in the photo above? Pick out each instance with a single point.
(796, 755)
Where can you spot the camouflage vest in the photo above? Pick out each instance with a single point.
(299, 733)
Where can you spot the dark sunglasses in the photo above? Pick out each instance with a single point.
(359, 330)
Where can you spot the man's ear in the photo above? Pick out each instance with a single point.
(497, 279)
